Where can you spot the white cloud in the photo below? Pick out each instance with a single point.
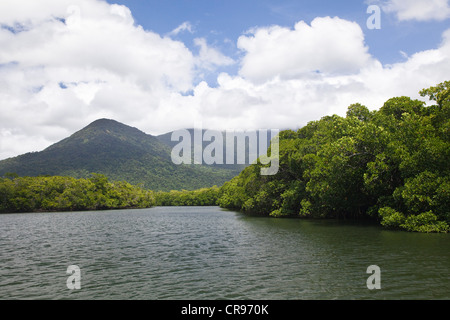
(185, 26)
(59, 58)
(328, 45)
(420, 10)
(209, 58)
(274, 100)
(64, 64)
(104, 39)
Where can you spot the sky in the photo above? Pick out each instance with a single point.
(227, 65)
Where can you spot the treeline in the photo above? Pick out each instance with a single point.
(29, 194)
(391, 165)
(201, 197)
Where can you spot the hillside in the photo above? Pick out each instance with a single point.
(120, 152)
(249, 152)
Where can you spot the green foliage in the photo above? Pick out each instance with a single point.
(425, 222)
(232, 195)
(27, 194)
(391, 218)
(121, 153)
(439, 93)
(200, 197)
(397, 107)
(426, 192)
(359, 111)
(390, 165)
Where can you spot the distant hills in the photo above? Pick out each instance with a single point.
(121, 153)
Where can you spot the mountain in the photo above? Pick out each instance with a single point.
(120, 152)
(242, 141)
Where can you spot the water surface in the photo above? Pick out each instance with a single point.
(210, 253)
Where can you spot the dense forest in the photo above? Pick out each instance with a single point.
(201, 197)
(28, 194)
(122, 153)
(391, 164)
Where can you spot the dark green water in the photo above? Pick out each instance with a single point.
(208, 253)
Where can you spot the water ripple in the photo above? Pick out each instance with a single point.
(207, 253)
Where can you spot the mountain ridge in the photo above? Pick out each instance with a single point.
(120, 152)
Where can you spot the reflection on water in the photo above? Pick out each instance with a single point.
(209, 253)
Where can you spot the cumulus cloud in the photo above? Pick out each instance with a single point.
(209, 58)
(267, 94)
(328, 45)
(420, 10)
(63, 63)
(66, 63)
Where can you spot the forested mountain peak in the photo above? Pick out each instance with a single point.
(110, 126)
(120, 152)
(107, 132)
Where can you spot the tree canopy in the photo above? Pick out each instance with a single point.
(390, 164)
(28, 194)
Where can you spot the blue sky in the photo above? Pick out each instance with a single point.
(163, 65)
(219, 21)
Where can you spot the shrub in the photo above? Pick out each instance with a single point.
(425, 222)
(391, 218)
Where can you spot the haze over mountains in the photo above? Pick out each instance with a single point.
(121, 153)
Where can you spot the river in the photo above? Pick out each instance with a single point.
(177, 253)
